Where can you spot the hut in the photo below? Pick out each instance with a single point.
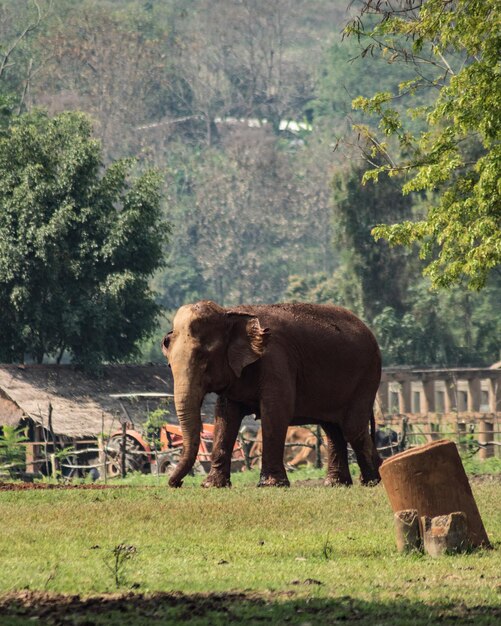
(58, 406)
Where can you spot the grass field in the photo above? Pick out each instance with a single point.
(305, 555)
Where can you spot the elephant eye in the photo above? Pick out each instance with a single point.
(166, 340)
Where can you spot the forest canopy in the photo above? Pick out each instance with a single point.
(244, 111)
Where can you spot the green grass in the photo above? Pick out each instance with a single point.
(267, 544)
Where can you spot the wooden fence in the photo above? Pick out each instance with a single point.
(473, 432)
(476, 434)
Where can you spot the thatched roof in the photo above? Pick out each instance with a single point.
(79, 402)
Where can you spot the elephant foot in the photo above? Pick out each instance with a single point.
(338, 481)
(175, 483)
(216, 480)
(370, 482)
(370, 478)
(273, 481)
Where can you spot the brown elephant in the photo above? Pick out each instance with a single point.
(290, 364)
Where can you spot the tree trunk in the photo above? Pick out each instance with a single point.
(432, 480)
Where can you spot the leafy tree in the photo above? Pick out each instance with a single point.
(382, 273)
(341, 288)
(343, 76)
(459, 153)
(77, 244)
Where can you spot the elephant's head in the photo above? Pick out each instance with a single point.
(207, 350)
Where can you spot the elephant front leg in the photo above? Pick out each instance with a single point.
(274, 430)
(227, 420)
(338, 471)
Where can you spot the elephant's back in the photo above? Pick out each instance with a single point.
(313, 322)
(333, 350)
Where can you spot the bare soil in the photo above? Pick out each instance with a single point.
(233, 607)
(59, 609)
(6, 486)
(475, 479)
(309, 482)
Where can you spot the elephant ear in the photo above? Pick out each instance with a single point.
(247, 340)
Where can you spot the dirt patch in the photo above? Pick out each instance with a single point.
(308, 482)
(284, 607)
(62, 609)
(475, 479)
(29, 486)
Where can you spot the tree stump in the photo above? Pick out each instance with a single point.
(432, 480)
(407, 530)
(445, 534)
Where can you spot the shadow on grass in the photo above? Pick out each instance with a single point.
(224, 608)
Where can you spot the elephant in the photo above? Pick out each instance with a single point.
(289, 364)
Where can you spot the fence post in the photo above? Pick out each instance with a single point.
(497, 434)
(30, 458)
(123, 469)
(53, 462)
(485, 435)
(461, 426)
(246, 447)
(103, 456)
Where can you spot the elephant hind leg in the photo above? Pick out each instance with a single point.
(367, 457)
(338, 471)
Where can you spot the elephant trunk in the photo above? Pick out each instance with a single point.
(188, 404)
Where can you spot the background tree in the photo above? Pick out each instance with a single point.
(21, 23)
(77, 244)
(459, 152)
(106, 66)
(245, 226)
(383, 273)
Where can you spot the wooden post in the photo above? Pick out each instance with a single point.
(461, 430)
(445, 534)
(123, 469)
(485, 435)
(497, 434)
(246, 447)
(53, 459)
(30, 458)
(407, 530)
(53, 466)
(432, 480)
(103, 455)
(434, 430)
(46, 452)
